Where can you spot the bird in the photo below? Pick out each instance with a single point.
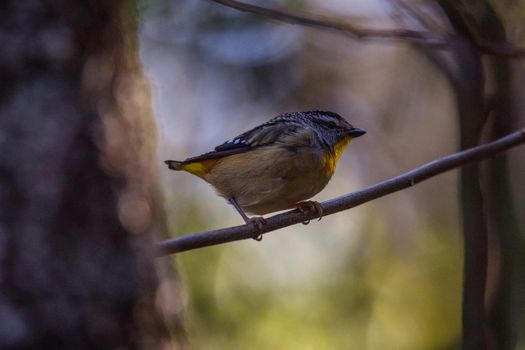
(277, 165)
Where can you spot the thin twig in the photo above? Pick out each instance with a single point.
(429, 39)
(505, 50)
(331, 24)
(420, 17)
(351, 200)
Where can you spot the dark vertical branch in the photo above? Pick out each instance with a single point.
(470, 101)
(501, 211)
(475, 234)
(502, 215)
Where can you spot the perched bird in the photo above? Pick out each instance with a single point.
(276, 165)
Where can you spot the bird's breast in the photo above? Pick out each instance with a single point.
(271, 179)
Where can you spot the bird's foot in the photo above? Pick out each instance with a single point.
(310, 206)
(258, 222)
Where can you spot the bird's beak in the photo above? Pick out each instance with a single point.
(356, 132)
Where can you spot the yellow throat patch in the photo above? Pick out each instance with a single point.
(333, 157)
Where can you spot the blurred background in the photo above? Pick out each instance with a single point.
(385, 275)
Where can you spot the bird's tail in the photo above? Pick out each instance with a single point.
(174, 164)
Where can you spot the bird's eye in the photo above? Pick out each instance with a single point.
(327, 123)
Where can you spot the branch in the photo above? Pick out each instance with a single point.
(504, 50)
(351, 200)
(411, 36)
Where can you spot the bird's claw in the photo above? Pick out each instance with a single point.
(259, 222)
(310, 206)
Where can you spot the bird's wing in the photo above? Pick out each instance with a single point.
(262, 135)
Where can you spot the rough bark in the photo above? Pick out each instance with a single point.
(77, 189)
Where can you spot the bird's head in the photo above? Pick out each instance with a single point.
(332, 129)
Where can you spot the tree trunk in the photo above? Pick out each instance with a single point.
(78, 206)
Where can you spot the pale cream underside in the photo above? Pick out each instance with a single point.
(266, 180)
